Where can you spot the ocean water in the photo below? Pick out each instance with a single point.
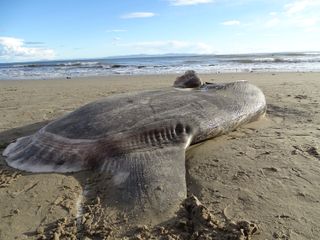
(163, 64)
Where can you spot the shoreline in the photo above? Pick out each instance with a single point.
(164, 75)
(266, 172)
(164, 64)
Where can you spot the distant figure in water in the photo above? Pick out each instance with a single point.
(188, 80)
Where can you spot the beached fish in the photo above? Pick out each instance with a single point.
(139, 139)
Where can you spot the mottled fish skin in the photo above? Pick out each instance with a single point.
(139, 139)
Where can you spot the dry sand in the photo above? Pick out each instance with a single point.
(266, 173)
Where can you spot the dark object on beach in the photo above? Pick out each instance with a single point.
(188, 80)
(136, 142)
(68, 77)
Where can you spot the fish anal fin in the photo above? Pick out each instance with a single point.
(150, 182)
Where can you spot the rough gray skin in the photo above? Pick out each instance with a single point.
(139, 139)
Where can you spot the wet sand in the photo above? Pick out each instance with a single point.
(266, 173)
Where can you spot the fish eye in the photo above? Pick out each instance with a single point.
(179, 129)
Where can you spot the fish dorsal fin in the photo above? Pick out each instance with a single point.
(188, 80)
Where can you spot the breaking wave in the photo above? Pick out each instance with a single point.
(309, 61)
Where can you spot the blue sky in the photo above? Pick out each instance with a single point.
(68, 29)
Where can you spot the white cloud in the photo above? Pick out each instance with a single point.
(306, 22)
(188, 2)
(14, 49)
(300, 5)
(170, 46)
(303, 14)
(231, 22)
(138, 15)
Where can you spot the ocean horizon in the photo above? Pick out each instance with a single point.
(162, 64)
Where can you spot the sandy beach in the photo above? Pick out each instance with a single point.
(266, 173)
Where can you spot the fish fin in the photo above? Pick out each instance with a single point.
(46, 152)
(148, 180)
